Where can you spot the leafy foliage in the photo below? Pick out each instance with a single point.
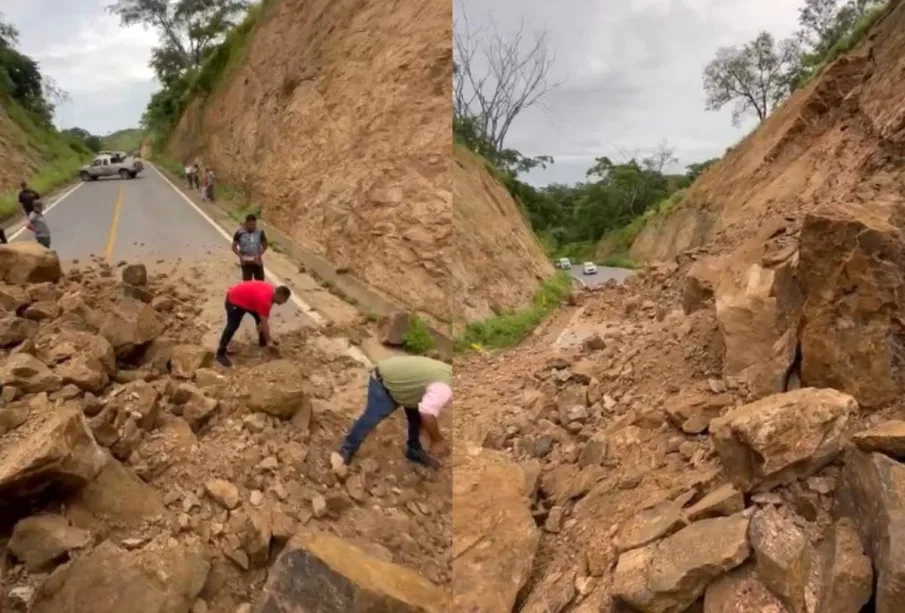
(129, 139)
(508, 329)
(760, 75)
(199, 41)
(84, 138)
(417, 339)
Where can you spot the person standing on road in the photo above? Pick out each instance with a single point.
(249, 244)
(188, 174)
(209, 182)
(38, 225)
(27, 198)
(204, 186)
(422, 387)
(196, 177)
(255, 298)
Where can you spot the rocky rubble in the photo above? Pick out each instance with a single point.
(659, 481)
(136, 477)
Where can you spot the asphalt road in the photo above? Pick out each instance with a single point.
(604, 274)
(141, 219)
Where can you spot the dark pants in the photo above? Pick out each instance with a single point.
(27, 208)
(379, 406)
(234, 317)
(252, 271)
(3, 239)
(44, 240)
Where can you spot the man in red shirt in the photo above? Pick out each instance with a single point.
(256, 299)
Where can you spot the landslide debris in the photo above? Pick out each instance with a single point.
(134, 476)
(722, 433)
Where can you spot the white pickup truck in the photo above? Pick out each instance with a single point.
(111, 164)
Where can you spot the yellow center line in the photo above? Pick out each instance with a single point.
(111, 234)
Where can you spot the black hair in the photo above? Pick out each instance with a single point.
(282, 292)
(251, 217)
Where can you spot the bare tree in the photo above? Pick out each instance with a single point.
(497, 76)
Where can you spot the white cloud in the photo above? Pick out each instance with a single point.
(102, 66)
(631, 74)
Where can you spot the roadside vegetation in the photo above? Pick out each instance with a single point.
(127, 140)
(201, 42)
(507, 329)
(29, 99)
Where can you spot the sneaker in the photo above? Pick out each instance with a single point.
(419, 456)
(339, 465)
(224, 360)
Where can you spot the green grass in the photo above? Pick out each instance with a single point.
(848, 42)
(505, 330)
(229, 54)
(417, 339)
(127, 140)
(60, 158)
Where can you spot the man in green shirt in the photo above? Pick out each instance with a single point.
(422, 387)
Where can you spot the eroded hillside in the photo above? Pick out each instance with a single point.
(839, 139)
(724, 432)
(497, 262)
(337, 124)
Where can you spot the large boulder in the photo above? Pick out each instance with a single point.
(871, 492)
(490, 565)
(780, 438)
(852, 263)
(57, 344)
(758, 312)
(320, 572)
(277, 388)
(14, 329)
(53, 450)
(109, 579)
(668, 576)
(28, 374)
(845, 575)
(41, 540)
(28, 262)
(783, 556)
(129, 325)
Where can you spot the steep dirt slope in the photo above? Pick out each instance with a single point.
(828, 142)
(724, 432)
(337, 124)
(19, 158)
(496, 261)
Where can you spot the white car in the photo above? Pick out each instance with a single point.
(589, 268)
(564, 263)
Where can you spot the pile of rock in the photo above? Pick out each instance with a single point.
(98, 378)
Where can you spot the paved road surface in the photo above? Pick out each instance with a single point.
(604, 274)
(141, 219)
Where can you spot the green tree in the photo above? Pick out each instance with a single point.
(22, 80)
(189, 29)
(755, 78)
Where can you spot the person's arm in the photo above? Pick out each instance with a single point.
(437, 396)
(264, 329)
(236, 244)
(264, 244)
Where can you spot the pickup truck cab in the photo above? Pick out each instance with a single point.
(109, 164)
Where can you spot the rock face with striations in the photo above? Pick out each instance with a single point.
(871, 492)
(850, 341)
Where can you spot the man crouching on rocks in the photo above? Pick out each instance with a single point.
(422, 387)
(254, 298)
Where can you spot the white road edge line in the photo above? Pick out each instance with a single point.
(580, 280)
(307, 309)
(49, 208)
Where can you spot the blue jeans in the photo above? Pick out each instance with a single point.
(380, 405)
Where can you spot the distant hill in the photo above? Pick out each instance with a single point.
(123, 140)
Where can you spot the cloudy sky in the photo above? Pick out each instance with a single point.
(102, 66)
(630, 74)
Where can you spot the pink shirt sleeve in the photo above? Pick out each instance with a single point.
(436, 397)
